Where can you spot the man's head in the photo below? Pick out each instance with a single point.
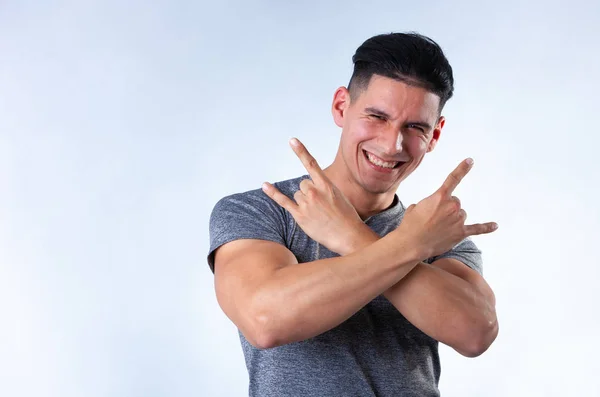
(391, 109)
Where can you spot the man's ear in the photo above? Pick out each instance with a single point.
(341, 101)
(437, 131)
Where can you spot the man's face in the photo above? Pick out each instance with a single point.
(386, 131)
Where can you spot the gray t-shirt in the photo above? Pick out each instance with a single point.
(376, 352)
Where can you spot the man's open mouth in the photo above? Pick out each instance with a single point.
(371, 158)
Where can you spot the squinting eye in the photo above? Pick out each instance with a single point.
(378, 117)
(416, 127)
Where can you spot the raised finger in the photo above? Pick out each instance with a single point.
(481, 228)
(456, 176)
(309, 162)
(279, 197)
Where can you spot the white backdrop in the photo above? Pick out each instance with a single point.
(122, 125)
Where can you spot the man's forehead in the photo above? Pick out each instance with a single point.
(397, 98)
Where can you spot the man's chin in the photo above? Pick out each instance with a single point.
(379, 187)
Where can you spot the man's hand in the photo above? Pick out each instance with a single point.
(437, 223)
(320, 208)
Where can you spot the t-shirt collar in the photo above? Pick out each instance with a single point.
(392, 212)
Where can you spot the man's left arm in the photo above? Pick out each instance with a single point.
(447, 300)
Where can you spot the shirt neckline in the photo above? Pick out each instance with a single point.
(392, 212)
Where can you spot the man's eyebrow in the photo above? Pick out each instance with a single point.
(377, 112)
(381, 113)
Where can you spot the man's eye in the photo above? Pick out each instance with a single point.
(378, 117)
(416, 127)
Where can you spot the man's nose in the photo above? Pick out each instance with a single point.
(392, 142)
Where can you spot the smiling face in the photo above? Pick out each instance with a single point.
(386, 131)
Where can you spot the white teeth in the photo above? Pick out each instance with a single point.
(384, 164)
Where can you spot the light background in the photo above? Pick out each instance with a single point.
(121, 125)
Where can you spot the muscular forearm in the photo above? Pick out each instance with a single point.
(447, 308)
(304, 300)
(443, 305)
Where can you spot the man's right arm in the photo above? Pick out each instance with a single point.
(274, 300)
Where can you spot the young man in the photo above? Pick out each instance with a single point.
(337, 288)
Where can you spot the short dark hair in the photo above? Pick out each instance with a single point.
(408, 57)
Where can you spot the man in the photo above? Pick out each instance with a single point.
(336, 288)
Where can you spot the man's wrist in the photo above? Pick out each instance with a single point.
(403, 246)
(412, 249)
(361, 237)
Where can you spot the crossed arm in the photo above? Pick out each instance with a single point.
(273, 300)
(447, 300)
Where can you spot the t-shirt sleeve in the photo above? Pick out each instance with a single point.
(467, 252)
(250, 215)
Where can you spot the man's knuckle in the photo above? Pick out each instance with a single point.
(451, 208)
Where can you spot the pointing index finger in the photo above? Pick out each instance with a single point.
(309, 162)
(457, 176)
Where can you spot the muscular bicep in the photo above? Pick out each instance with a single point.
(241, 268)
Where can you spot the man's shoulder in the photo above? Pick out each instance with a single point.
(258, 197)
(251, 215)
(255, 201)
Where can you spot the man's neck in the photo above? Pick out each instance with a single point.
(366, 204)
